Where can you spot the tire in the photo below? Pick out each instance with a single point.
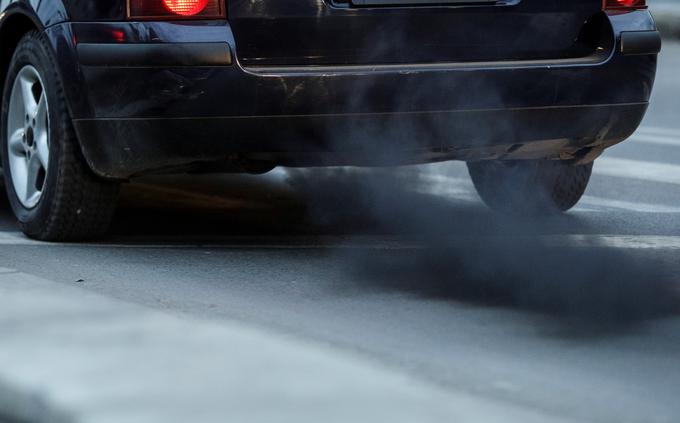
(60, 198)
(536, 187)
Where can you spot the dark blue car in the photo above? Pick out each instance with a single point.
(528, 92)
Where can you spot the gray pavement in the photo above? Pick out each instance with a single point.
(359, 296)
(88, 358)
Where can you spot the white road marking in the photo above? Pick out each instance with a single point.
(226, 242)
(635, 242)
(637, 169)
(462, 189)
(637, 207)
(657, 136)
(656, 139)
(655, 130)
(17, 238)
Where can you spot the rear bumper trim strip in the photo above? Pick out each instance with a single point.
(596, 58)
(154, 54)
(640, 42)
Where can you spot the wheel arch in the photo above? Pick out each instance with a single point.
(18, 18)
(21, 17)
(13, 26)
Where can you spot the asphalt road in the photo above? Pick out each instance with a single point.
(574, 316)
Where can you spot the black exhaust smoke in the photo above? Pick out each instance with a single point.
(463, 252)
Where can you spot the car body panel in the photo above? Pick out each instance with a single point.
(99, 10)
(133, 120)
(306, 32)
(43, 13)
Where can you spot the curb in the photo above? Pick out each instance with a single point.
(77, 356)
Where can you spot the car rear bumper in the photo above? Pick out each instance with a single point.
(136, 146)
(148, 105)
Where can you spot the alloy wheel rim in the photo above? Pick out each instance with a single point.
(28, 140)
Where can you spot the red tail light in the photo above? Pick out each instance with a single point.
(624, 4)
(175, 9)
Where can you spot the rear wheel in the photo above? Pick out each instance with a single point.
(53, 193)
(530, 186)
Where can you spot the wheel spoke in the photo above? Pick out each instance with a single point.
(16, 144)
(41, 132)
(41, 114)
(27, 96)
(42, 149)
(19, 167)
(33, 172)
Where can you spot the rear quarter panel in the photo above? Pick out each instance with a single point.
(43, 13)
(50, 16)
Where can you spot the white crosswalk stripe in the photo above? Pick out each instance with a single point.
(634, 242)
(462, 189)
(656, 139)
(654, 130)
(638, 169)
(600, 203)
(657, 136)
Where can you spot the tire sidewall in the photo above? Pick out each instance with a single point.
(32, 50)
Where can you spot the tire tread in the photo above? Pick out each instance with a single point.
(530, 187)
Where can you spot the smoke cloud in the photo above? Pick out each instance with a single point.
(468, 254)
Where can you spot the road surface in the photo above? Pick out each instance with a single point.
(404, 274)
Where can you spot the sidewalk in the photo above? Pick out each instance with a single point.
(72, 356)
